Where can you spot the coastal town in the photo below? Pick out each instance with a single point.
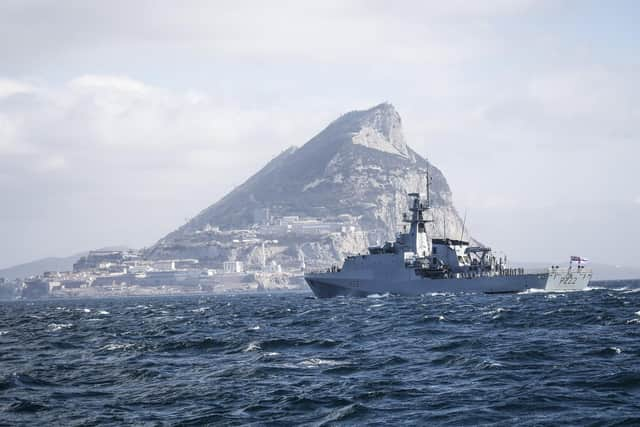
(267, 256)
(122, 273)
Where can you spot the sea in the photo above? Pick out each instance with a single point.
(531, 359)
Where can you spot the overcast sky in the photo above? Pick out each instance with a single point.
(120, 119)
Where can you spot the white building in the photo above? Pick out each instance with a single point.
(233, 267)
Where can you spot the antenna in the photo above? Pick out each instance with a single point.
(464, 222)
(428, 188)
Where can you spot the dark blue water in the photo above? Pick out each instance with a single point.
(289, 359)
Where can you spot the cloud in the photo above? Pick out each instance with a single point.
(327, 31)
(569, 109)
(11, 87)
(103, 157)
(123, 117)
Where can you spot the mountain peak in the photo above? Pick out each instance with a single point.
(381, 129)
(378, 128)
(382, 117)
(384, 108)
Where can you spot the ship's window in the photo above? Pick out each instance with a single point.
(421, 228)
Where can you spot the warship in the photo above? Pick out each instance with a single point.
(416, 264)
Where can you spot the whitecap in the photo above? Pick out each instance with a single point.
(3, 333)
(255, 328)
(495, 312)
(489, 364)
(117, 346)
(253, 346)
(385, 295)
(59, 326)
(339, 415)
(618, 350)
(316, 362)
(533, 291)
(104, 312)
(637, 313)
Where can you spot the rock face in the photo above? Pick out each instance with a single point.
(359, 165)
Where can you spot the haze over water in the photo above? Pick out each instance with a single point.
(287, 359)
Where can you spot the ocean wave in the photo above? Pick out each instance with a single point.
(285, 343)
(434, 318)
(207, 343)
(117, 346)
(488, 364)
(377, 296)
(317, 362)
(352, 361)
(253, 346)
(25, 406)
(55, 327)
(438, 294)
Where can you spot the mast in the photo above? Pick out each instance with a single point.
(464, 222)
(419, 242)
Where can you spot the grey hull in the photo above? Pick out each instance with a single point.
(328, 285)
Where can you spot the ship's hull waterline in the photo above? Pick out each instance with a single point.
(328, 285)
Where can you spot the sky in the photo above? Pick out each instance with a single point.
(121, 120)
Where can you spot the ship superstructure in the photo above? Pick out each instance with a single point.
(416, 264)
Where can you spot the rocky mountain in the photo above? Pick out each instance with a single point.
(360, 166)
